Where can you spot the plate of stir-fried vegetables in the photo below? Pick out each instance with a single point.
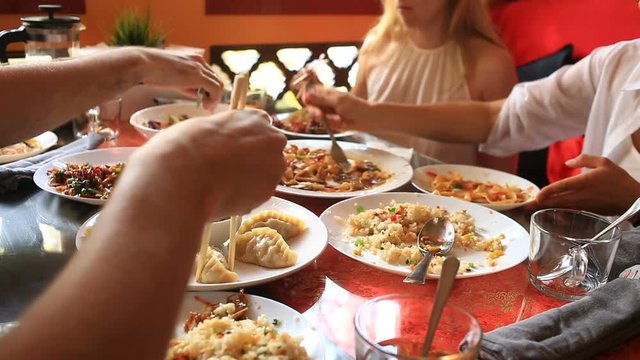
(87, 177)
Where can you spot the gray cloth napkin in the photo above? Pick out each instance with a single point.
(11, 174)
(606, 318)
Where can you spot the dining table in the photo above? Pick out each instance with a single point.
(37, 239)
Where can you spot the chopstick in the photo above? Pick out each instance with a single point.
(238, 101)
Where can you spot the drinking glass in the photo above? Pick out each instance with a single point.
(103, 119)
(553, 233)
(107, 121)
(394, 327)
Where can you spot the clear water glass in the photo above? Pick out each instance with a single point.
(394, 327)
(554, 232)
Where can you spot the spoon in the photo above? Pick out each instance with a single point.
(445, 283)
(576, 260)
(435, 237)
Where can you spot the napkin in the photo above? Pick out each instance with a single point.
(606, 318)
(11, 174)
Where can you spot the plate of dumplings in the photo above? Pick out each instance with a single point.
(276, 239)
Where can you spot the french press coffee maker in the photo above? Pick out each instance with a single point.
(45, 36)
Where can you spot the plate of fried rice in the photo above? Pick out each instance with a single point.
(380, 230)
(226, 325)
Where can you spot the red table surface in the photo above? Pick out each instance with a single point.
(329, 291)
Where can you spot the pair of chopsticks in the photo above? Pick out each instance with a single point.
(238, 101)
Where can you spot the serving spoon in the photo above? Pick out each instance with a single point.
(576, 260)
(435, 238)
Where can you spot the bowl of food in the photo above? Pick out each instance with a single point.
(152, 120)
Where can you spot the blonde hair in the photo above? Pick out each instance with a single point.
(465, 18)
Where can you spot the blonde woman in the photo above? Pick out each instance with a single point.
(424, 52)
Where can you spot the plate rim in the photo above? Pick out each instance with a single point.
(51, 138)
(40, 176)
(402, 180)
(499, 207)
(389, 268)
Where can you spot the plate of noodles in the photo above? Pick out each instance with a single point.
(311, 172)
(28, 148)
(299, 124)
(87, 177)
(380, 230)
(275, 239)
(216, 325)
(494, 189)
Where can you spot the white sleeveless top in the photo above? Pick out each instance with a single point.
(411, 75)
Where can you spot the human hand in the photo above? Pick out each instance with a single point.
(302, 80)
(343, 111)
(185, 73)
(231, 161)
(606, 189)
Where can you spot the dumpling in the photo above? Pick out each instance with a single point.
(215, 269)
(286, 225)
(265, 247)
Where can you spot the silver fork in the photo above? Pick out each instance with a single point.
(200, 97)
(337, 154)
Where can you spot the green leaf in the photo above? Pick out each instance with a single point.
(131, 28)
(360, 209)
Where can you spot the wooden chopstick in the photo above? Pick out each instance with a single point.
(238, 100)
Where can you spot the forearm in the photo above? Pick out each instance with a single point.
(56, 92)
(114, 283)
(456, 122)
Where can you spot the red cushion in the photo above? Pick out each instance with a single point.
(534, 28)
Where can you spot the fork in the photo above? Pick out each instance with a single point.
(337, 154)
(200, 97)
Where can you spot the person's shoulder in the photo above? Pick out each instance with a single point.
(620, 51)
(489, 67)
(483, 56)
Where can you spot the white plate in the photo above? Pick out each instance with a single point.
(93, 157)
(161, 112)
(292, 321)
(309, 245)
(309, 136)
(422, 181)
(46, 139)
(399, 168)
(489, 223)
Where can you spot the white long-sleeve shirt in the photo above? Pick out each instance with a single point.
(598, 97)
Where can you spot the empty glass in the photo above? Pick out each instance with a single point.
(103, 119)
(555, 233)
(394, 327)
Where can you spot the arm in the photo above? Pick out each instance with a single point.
(490, 75)
(473, 119)
(125, 287)
(360, 87)
(55, 92)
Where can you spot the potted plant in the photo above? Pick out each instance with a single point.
(133, 28)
